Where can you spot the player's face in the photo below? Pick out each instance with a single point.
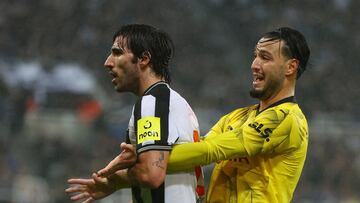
(268, 69)
(123, 67)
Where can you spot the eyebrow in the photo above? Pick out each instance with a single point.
(257, 49)
(116, 49)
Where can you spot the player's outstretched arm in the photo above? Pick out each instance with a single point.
(225, 146)
(243, 142)
(88, 190)
(126, 159)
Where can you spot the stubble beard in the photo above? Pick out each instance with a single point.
(271, 88)
(128, 86)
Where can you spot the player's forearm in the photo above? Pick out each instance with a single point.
(186, 156)
(128, 177)
(140, 176)
(150, 170)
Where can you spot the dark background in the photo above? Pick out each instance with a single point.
(61, 118)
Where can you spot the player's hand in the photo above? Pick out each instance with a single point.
(126, 159)
(89, 190)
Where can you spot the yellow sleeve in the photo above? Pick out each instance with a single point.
(260, 135)
(186, 156)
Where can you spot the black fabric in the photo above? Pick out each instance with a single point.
(158, 194)
(287, 99)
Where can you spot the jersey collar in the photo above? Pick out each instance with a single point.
(290, 99)
(153, 85)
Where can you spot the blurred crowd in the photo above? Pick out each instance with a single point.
(61, 118)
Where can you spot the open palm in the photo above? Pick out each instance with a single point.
(91, 189)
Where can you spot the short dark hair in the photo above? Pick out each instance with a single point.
(142, 39)
(295, 45)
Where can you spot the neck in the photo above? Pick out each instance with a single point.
(146, 82)
(282, 94)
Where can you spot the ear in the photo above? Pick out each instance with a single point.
(145, 59)
(292, 67)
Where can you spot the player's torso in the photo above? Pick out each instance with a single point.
(180, 126)
(248, 179)
(181, 120)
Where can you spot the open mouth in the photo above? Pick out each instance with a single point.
(257, 79)
(112, 74)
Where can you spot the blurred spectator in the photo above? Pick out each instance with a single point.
(30, 189)
(4, 103)
(18, 102)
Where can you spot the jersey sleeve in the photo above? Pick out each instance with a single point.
(259, 136)
(225, 146)
(151, 121)
(217, 145)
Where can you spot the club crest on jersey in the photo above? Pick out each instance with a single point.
(263, 132)
(148, 129)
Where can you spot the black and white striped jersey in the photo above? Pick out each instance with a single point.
(160, 119)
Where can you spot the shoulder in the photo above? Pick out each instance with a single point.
(156, 96)
(160, 91)
(164, 93)
(241, 112)
(289, 109)
(285, 117)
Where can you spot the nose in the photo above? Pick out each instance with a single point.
(255, 64)
(109, 62)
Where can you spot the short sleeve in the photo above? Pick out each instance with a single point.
(151, 121)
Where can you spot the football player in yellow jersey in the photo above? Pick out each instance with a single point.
(260, 150)
(263, 147)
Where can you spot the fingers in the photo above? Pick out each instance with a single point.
(111, 168)
(122, 145)
(81, 185)
(82, 188)
(96, 178)
(126, 159)
(80, 196)
(75, 189)
(81, 181)
(105, 171)
(127, 147)
(99, 180)
(89, 200)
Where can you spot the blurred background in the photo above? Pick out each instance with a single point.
(61, 118)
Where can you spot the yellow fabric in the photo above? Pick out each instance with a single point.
(148, 129)
(263, 155)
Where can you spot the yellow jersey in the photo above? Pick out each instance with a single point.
(260, 155)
